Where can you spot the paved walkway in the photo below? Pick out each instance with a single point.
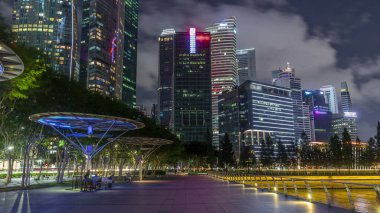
(181, 194)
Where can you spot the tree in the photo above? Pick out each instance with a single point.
(347, 156)
(247, 157)
(282, 156)
(335, 151)
(226, 154)
(267, 152)
(367, 158)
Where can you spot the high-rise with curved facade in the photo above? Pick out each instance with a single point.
(224, 74)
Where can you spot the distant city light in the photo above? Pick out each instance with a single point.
(350, 114)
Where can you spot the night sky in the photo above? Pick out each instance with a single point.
(326, 41)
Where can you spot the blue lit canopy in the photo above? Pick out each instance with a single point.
(11, 64)
(74, 126)
(87, 122)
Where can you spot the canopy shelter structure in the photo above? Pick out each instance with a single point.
(11, 64)
(98, 130)
(147, 146)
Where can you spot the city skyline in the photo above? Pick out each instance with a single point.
(319, 49)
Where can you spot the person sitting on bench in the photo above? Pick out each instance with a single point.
(96, 181)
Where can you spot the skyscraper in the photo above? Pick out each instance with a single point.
(345, 97)
(130, 52)
(165, 92)
(102, 43)
(52, 27)
(184, 90)
(320, 115)
(347, 117)
(330, 98)
(224, 75)
(266, 110)
(286, 78)
(246, 65)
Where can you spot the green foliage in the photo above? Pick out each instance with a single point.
(335, 151)
(282, 156)
(247, 157)
(226, 154)
(267, 152)
(368, 157)
(347, 155)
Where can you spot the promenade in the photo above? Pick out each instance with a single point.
(196, 194)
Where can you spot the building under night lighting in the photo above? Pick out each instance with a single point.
(224, 75)
(246, 65)
(102, 47)
(286, 78)
(184, 90)
(320, 115)
(52, 27)
(330, 98)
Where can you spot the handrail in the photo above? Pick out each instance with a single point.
(361, 197)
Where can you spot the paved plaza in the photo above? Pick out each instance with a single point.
(180, 193)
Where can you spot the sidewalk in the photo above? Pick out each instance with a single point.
(17, 182)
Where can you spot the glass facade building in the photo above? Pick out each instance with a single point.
(52, 27)
(286, 78)
(320, 115)
(184, 90)
(130, 52)
(330, 98)
(165, 92)
(246, 65)
(224, 75)
(266, 110)
(102, 43)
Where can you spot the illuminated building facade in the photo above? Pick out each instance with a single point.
(184, 90)
(246, 65)
(347, 117)
(348, 121)
(330, 98)
(165, 92)
(286, 78)
(52, 27)
(130, 52)
(345, 97)
(320, 115)
(224, 75)
(102, 43)
(266, 110)
(229, 119)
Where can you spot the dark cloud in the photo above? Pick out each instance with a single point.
(326, 41)
(318, 39)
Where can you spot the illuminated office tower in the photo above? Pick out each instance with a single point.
(345, 97)
(224, 75)
(130, 52)
(347, 119)
(320, 115)
(52, 27)
(184, 87)
(266, 110)
(286, 78)
(246, 65)
(102, 43)
(330, 98)
(165, 90)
